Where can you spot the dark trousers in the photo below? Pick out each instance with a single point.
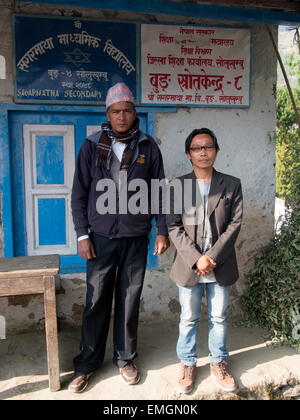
(119, 266)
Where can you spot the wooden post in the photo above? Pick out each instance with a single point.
(51, 332)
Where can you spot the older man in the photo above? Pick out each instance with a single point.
(114, 242)
(204, 234)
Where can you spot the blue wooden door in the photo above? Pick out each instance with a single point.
(44, 147)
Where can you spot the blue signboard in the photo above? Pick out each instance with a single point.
(65, 60)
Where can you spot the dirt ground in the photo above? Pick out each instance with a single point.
(262, 372)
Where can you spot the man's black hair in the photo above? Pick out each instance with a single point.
(198, 131)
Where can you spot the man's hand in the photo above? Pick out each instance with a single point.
(205, 265)
(161, 244)
(86, 249)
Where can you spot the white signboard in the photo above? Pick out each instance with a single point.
(192, 65)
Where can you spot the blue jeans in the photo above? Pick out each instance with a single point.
(190, 299)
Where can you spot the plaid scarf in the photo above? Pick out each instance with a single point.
(104, 146)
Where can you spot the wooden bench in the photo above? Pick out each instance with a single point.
(35, 275)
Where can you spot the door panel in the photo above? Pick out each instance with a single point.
(49, 159)
(49, 154)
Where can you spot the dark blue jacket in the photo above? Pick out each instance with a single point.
(147, 164)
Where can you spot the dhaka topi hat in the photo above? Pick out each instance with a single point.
(118, 93)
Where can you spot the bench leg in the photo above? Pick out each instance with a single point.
(51, 333)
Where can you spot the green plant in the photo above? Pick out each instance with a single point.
(287, 162)
(287, 144)
(293, 62)
(272, 297)
(285, 113)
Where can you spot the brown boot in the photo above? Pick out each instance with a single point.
(187, 377)
(79, 382)
(224, 379)
(130, 374)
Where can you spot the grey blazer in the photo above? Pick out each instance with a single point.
(225, 208)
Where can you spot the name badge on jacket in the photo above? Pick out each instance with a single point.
(141, 159)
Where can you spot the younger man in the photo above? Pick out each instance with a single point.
(205, 258)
